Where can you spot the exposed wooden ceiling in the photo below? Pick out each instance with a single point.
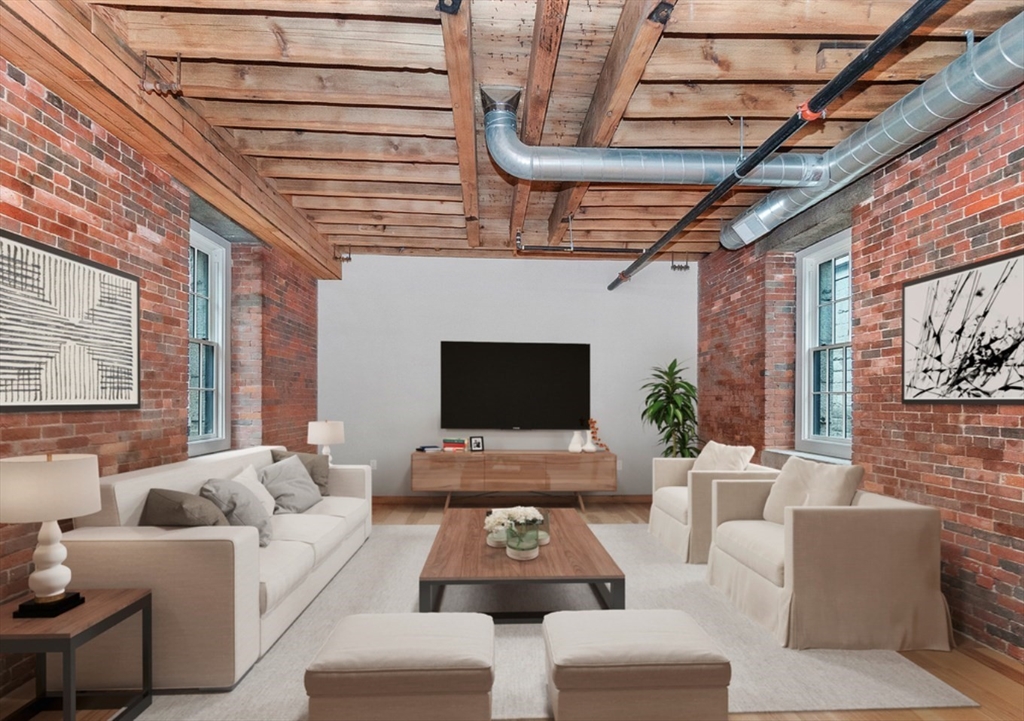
(329, 126)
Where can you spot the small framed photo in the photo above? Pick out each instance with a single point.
(476, 443)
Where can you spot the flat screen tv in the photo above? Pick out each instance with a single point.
(517, 386)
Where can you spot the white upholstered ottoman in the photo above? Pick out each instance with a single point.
(404, 667)
(651, 665)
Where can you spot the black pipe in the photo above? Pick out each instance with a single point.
(811, 110)
(575, 249)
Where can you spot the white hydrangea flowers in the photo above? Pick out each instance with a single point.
(501, 518)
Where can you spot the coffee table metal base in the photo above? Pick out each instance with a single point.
(610, 594)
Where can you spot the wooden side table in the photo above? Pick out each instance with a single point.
(102, 610)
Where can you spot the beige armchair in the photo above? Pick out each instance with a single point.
(681, 504)
(863, 576)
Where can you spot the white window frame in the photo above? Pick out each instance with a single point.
(807, 262)
(219, 252)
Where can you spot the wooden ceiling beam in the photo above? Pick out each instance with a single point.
(788, 60)
(719, 132)
(47, 41)
(328, 118)
(397, 242)
(384, 205)
(548, 24)
(827, 17)
(393, 231)
(636, 36)
(285, 39)
(305, 84)
(399, 9)
(358, 170)
(324, 218)
(457, 33)
(344, 146)
(760, 100)
(412, 191)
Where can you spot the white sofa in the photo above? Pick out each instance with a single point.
(681, 504)
(220, 601)
(863, 576)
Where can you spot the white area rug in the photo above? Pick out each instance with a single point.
(383, 577)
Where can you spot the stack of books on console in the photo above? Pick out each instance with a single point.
(454, 444)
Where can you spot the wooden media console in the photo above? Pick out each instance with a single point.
(514, 471)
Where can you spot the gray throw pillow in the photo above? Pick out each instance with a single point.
(165, 507)
(239, 504)
(290, 485)
(807, 483)
(316, 465)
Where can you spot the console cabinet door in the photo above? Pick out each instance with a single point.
(582, 472)
(447, 472)
(516, 472)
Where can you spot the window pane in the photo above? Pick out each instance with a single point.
(209, 367)
(837, 412)
(818, 384)
(837, 370)
(191, 269)
(842, 321)
(202, 320)
(202, 274)
(819, 422)
(842, 288)
(849, 416)
(825, 282)
(193, 414)
(194, 371)
(849, 369)
(825, 325)
(208, 413)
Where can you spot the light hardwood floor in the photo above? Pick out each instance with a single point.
(992, 679)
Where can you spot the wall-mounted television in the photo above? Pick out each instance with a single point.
(517, 386)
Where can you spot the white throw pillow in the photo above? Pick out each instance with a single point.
(720, 457)
(249, 478)
(806, 483)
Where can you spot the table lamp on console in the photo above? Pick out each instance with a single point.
(48, 488)
(324, 433)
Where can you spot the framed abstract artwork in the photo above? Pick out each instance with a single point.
(963, 334)
(69, 331)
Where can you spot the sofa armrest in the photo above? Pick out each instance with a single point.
(877, 568)
(738, 501)
(700, 483)
(350, 481)
(669, 472)
(206, 615)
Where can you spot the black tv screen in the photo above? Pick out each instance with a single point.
(519, 386)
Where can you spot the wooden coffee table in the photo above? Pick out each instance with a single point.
(461, 556)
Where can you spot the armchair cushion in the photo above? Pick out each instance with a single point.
(675, 501)
(720, 457)
(758, 545)
(806, 483)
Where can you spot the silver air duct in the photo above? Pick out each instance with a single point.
(622, 165)
(981, 75)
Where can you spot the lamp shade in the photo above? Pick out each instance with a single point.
(48, 488)
(324, 433)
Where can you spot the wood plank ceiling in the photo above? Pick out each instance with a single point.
(365, 114)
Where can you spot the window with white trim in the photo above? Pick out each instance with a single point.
(208, 335)
(824, 363)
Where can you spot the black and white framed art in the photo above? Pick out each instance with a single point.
(963, 334)
(69, 331)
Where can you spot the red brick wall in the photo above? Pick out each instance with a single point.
(952, 201)
(246, 345)
(67, 183)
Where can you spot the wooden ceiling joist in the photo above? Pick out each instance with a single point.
(344, 146)
(548, 24)
(457, 32)
(636, 36)
(358, 170)
(380, 204)
(48, 41)
(392, 231)
(368, 189)
(377, 8)
(325, 218)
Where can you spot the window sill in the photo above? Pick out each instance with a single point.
(775, 457)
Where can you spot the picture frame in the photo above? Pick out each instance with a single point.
(69, 331)
(476, 443)
(963, 334)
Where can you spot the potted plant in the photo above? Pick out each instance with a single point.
(671, 407)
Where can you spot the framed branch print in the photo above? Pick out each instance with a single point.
(69, 331)
(963, 334)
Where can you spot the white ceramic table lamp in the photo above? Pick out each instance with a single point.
(324, 433)
(49, 488)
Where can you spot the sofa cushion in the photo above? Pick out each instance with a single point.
(720, 457)
(675, 501)
(283, 566)
(239, 504)
(289, 483)
(165, 507)
(807, 483)
(249, 478)
(317, 465)
(353, 510)
(758, 545)
(323, 533)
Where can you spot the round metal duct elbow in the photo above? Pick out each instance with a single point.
(990, 69)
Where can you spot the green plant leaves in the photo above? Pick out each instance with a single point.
(671, 407)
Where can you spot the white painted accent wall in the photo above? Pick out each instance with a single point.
(380, 349)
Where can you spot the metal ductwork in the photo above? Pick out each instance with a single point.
(626, 165)
(982, 74)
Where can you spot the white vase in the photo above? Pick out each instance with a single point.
(588, 446)
(576, 444)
